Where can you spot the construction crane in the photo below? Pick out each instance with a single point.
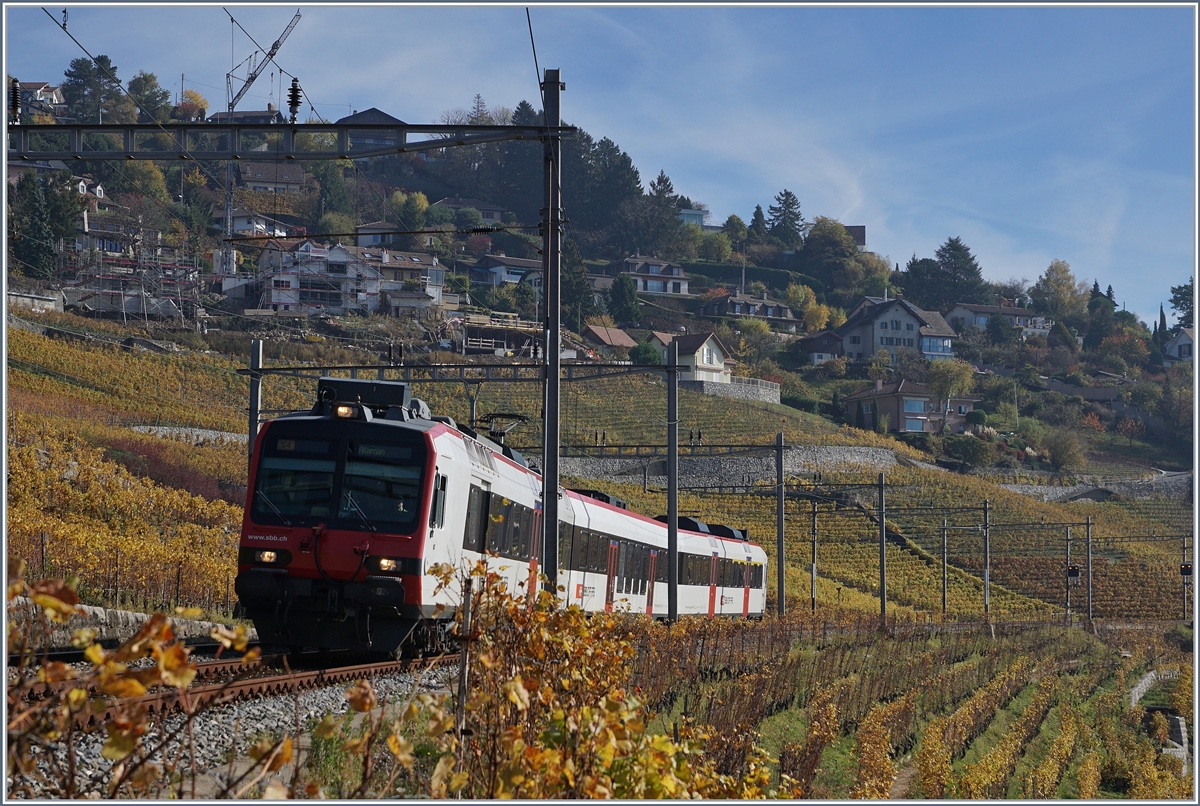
(255, 71)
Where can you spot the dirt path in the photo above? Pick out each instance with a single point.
(903, 782)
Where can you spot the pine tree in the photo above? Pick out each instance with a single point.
(623, 301)
(35, 249)
(960, 279)
(1111, 298)
(578, 301)
(1096, 293)
(786, 222)
(860, 417)
(757, 231)
(1162, 326)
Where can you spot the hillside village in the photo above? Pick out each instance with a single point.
(438, 247)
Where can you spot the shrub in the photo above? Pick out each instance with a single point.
(1065, 449)
(972, 450)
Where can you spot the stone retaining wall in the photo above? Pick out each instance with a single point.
(730, 470)
(118, 625)
(740, 391)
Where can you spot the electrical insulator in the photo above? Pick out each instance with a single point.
(15, 101)
(294, 98)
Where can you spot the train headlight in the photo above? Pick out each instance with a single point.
(265, 556)
(387, 564)
(345, 410)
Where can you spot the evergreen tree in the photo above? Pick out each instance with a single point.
(1182, 303)
(960, 278)
(786, 223)
(150, 97)
(578, 301)
(35, 246)
(860, 417)
(757, 231)
(623, 301)
(735, 228)
(1096, 293)
(919, 278)
(1162, 326)
(1109, 294)
(88, 85)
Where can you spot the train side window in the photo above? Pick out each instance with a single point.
(497, 527)
(566, 558)
(517, 541)
(643, 569)
(477, 519)
(578, 550)
(597, 552)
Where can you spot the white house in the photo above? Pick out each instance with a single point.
(1181, 347)
(703, 355)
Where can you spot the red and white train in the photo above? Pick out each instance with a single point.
(349, 505)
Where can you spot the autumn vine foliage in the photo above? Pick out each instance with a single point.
(127, 538)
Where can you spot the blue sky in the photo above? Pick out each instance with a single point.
(1032, 133)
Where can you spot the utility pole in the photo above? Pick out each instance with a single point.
(551, 266)
(673, 481)
(779, 496)
(256, 357)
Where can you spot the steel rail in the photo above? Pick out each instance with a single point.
(171, 700)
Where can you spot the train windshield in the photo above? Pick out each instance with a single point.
(360, 484)
(295, 480)
(381, 485)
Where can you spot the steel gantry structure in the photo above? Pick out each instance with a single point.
(201, 142)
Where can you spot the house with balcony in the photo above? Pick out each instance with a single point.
(877, 323)
(42, 98)
(742, 306)
(819, 347)
(650, 275)
(304, 277)
(707, 367)
(249, 223)
(910, 407)
(499, 269)
(971, 315)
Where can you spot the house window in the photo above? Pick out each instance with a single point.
(655, 269)
(962, 409)
(883, 325)
(489, 214)
(657, 286)
(737, 308)
(675, 288)
(258, 176)
(908, 326)
(708, 355)
(856, 340)
(914, 406)
(868, 408)
(895, 324)
(912, 424)
(883, 340)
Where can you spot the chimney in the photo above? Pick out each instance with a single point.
(271, 107)
(384, 256)
(879, 384)
(885, 299)
(764, 295)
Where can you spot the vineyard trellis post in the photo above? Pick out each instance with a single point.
(1089, 568)
(1067, 579)
(987, 562)
(814, 555)
(945, 571)
(779, 523)
(882, 560)
(1183, 579)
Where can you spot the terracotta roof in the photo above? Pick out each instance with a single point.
(902, 386)
(612, 336)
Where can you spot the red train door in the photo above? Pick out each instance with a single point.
(712, 585)
(535, 539)
(650, 581)
(614, 549)
(746, 584)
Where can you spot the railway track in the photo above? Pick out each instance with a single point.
(236, 681)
